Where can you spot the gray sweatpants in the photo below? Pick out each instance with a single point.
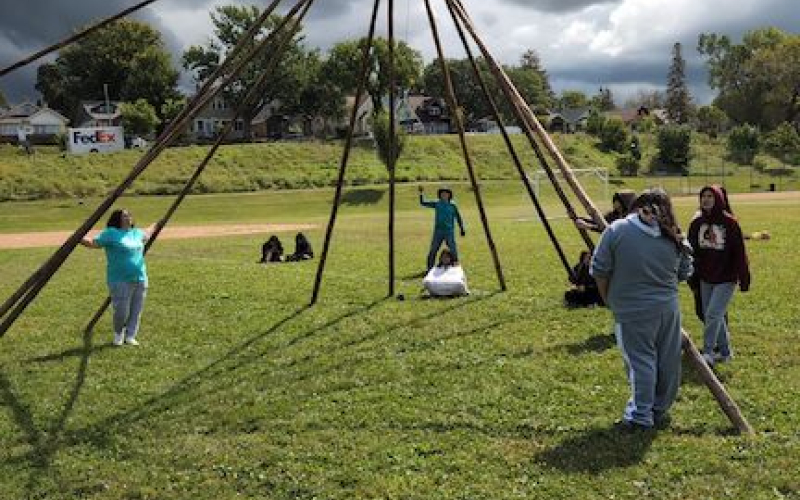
(652, 353)
(128, 302)
(716, 297)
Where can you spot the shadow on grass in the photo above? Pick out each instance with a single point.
(594, 344)
(598, 450)
(364, 196)
(44, 445)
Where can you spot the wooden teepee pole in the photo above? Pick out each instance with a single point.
(455, 113)
(517, 103)
(723, 398)
(202, 99)
(510, 146)
(530, 119)
(246, 103)
(392, 166)
(362, 83)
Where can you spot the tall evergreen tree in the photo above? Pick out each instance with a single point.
(679, 101)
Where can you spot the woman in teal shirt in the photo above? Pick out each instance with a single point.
(447, 215)
(126, 272)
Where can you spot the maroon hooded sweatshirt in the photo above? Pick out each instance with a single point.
(719, 253)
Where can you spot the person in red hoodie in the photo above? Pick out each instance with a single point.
(720, 262)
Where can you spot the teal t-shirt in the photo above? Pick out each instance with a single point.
(124, 254)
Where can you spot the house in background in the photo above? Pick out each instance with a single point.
(568, 120)
(633, 117)
(99, 114)
(38, 124)
(212, 118)
(416, 113)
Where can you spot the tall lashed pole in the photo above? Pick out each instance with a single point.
(392, 164)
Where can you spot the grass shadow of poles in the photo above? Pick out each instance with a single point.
(598, 450)
(98, 432)
(45, 445)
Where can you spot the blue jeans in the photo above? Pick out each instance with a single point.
(440, 236)
(716, 297)
(128, 302)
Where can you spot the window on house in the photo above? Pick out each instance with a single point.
(238, 126)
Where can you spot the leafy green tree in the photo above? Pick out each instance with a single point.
(650, 99)
(674, 148)
(614, 135)
(784, 143)
(230, 23)
(170, 109)
(128, 56)
(573, 99)
(530, 81)
(628, 166)
(319, 99)
(382, 131)
(604, 100)
(595, 122)
(743, 144)
(710, 120)
(679, 101)
(139, 117)
(344, 64)
(757, 79)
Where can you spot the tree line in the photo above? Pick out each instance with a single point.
(757, 81)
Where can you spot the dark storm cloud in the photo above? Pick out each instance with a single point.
(557, 5)
(30, 26)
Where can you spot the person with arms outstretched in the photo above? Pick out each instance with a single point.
(447, 215)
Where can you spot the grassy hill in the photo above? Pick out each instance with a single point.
(297, 165)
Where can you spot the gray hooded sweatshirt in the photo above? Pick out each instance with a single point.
(643, 269)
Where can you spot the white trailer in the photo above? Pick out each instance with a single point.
(95, 140)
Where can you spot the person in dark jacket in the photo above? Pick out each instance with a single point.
(584, 288)
(302, 249)
(271, 251)
(720, 263)
(622, 201)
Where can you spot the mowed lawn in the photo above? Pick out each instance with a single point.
(240, 390)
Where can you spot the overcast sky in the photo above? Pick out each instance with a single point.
(583, 44)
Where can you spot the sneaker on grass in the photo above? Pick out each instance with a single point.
(131, 341)
(118, 339)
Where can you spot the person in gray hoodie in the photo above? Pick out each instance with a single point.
(638, 264)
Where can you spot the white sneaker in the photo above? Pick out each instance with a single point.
(131, 341)
(709, 359)
(118, 338)
(719, 358)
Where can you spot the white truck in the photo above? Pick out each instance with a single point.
(95, 140)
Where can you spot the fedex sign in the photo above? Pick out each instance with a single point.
(95, 139)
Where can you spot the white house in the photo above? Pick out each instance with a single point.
(36, 124)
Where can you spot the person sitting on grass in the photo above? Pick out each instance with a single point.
(583, 292)
(271, 251)
(447, 278)
(302, 249)
(444, 226)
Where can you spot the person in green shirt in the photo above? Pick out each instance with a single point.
(444, 223)
(126, 272)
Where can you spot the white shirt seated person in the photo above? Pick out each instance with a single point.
(447, 278)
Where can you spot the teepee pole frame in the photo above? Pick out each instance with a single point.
(455, 113)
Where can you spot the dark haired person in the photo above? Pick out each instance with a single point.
(447, 215)
(584, 287)
(637, 265)
(302, 249)
(621, 205)
(447, 278)
(271, 251)
(126, 272)
(720, 262)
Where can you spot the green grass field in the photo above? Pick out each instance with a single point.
(240, 390)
